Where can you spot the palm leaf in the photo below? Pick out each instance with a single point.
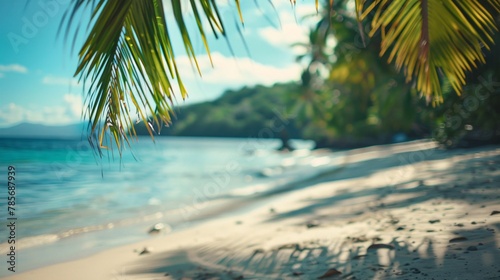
(427, 37)
(128, 62)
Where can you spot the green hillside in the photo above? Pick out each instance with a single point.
(248, 112)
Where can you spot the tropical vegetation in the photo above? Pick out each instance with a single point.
(367, 100)
(428, 49)
(248, 112)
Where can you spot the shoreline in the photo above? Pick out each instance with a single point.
(403, 209)
(90, 242)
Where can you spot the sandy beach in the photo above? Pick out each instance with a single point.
(402, 211)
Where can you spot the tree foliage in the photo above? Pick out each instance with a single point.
(257, 111)
(129, 67)
(370, 101)
(426, 38)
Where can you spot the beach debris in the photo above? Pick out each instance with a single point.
(393, 221)
(459, 225)
(313, 223)
(258, 251)
(434, 221)
(377, 246)
(472, 248)
(359, 257)
(330, 273)
(146, 250)
(458, 239)
(160, 228)
(294, 246)
(414, 270)
(400, 228)
(359, 239)
(400, 272)
(495, 212)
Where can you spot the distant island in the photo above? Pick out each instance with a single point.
(31, 130)
(258, 111)
(247, 112)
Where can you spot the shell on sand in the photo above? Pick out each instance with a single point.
(160, 228)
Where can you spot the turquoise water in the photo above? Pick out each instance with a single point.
(63, 189)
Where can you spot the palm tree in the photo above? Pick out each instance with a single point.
(426, 38)
(128, 59)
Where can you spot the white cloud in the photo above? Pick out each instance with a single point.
(17, 68)
(75, 103)
(10, 114)
(239, 71)
(293, 28)
(68, 112)
(284, 38)
(60, 81)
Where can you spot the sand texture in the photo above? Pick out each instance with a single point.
(405, 211)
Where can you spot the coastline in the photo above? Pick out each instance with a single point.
(78, 243)
(387, 211)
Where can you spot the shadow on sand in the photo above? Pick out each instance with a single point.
(404, 249)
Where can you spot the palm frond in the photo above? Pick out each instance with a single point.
(426, 37)
(128, 61)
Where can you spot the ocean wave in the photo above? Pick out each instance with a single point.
(165, 179)
(28, 242)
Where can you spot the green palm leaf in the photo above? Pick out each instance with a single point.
(128, 62)
(426, 37)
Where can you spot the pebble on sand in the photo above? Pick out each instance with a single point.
(146, 250)
(380, 246)
(458, 239)
(472, 248)
(294, 246)
(331, 272)
(313, 223)
(160, 228)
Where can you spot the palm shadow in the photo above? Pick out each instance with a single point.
(474, 255)
(354, 259)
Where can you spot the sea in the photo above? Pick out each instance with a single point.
(71, 201)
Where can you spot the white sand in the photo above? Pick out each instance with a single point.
(389, 213)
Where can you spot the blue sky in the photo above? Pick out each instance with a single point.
(37, 66)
